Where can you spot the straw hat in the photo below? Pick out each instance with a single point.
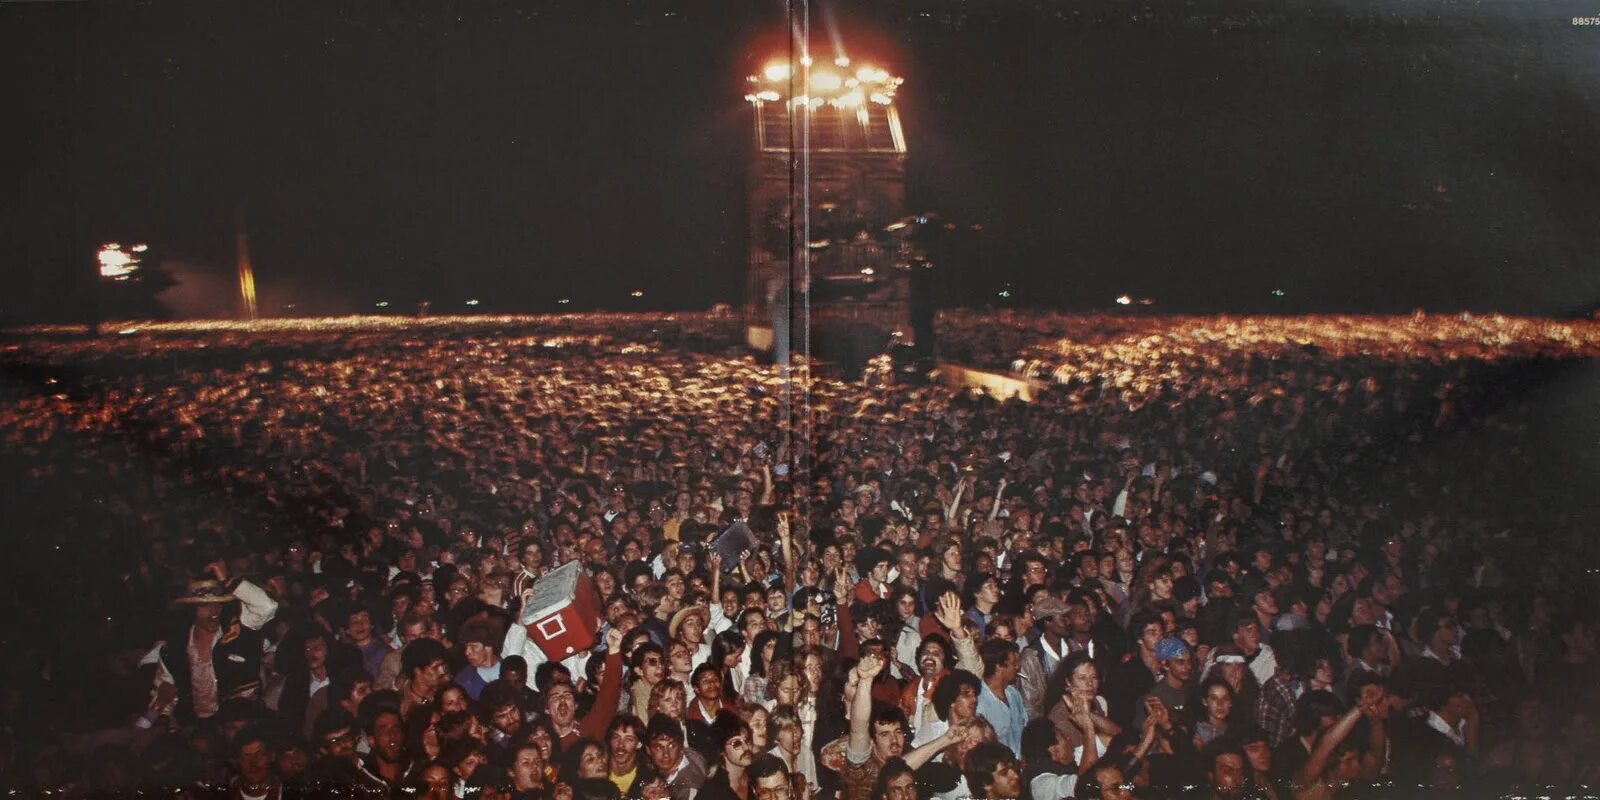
(685, 613)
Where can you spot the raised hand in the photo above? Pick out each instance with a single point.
(1078, 707)
(868, 667)
(949, 614)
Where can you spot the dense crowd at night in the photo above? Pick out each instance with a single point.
(1255, 557)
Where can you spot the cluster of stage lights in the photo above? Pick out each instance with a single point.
(814, 86)
(117, 263)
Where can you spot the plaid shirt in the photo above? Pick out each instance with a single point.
(1275, 712)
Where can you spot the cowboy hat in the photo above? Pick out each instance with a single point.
(205, 590)
(685, 613)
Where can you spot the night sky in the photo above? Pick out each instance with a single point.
(1375, 156)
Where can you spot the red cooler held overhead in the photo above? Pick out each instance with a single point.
(562, 613)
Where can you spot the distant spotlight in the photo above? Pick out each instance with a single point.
(850, 99)
(116, 264)
(776, 72)
(1124, 300)
(289, 307)
(866, 270)
(127, 332)
(1277, 292)
(1005, 292)
(564, 301)
(805, 60)
(140, 248)
(841, 61)
(472, 302)
(637, 293)
(383, 304)
(826, 81)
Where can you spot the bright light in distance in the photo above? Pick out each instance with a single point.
(835, 82)
(637, 293)
(826, 81)
(866, 270)
(872, 75)
(115, 264)
(1277, 292)
(1124, 300)
(140, 248)
(383, 304)
(1005, 293)
(472, 302)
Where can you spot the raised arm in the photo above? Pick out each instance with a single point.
(1330, 739)
(594, 723)
(860, 682)
(949, 615)
(999, 492)
(955, 502)
(786, 543)
(955, 734)
(1084, 719)
(848, 646)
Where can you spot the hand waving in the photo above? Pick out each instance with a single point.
(949, 614)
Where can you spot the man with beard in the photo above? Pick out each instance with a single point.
(876, 734)
(935, 660)
(729, 781)
(502, 710)
(625, 739)
(422, 673)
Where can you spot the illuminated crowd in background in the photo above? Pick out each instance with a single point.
(1305, 557)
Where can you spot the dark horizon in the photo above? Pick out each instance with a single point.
(1363, 157)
